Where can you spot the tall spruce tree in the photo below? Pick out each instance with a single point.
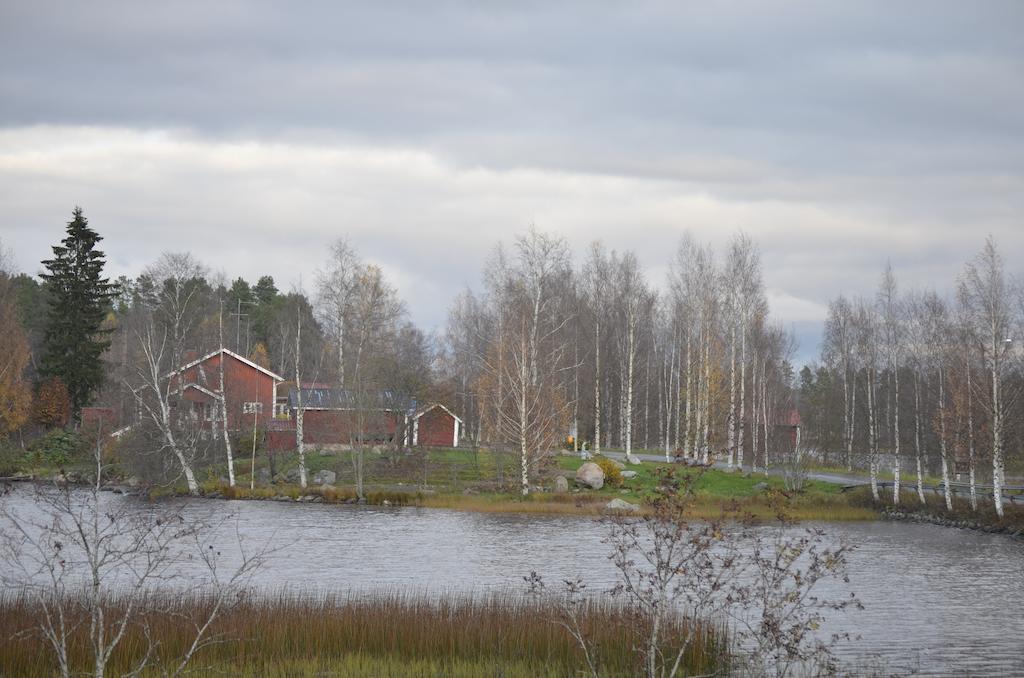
(79, 299)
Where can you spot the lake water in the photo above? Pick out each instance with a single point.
(938, 601)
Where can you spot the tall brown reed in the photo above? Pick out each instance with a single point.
(501, 632)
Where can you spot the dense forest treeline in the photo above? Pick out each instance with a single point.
(553, 351)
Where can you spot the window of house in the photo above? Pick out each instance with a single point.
(252, 408)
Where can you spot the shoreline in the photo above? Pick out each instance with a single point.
(582, 504)
(955, 522)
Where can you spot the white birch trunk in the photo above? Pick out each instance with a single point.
(705, 433)
(970, 440)
(942, 441)
(998, 469)
(872, 436)
(576, 389)
(341, 348)
(647, 401)
(597, 386)
(222, 402)
(741, 424)
(300, 444)
(524, 452)
(678, 402)
(689, 398)
(853, 424)
(917, 437)
(732, 398)
(252, 467)
(846, 420)
(669, 403)
(754, 385)
(186, 465)
(630, 350)
(764, 411)
(896, 439)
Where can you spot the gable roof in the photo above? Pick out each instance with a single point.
(420, 413)
(200, 388)
(246, 361)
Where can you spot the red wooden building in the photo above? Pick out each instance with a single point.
(333, 417)
(434, 426)
(250, 391)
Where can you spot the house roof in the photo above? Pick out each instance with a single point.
(285, 387)
(275, 377)
(344, 399)
(419, 413)
(201, 389)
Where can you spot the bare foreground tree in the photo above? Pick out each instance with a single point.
(155, 396)
(761, 581)
(88, 562)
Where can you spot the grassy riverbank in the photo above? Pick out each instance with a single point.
(487, 481)
(716, 491)
(383, 634)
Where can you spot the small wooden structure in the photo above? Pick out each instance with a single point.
(433, 426)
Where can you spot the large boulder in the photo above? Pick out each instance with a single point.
(620, 506)
(561, 484)
(324, 477)
(590, 475)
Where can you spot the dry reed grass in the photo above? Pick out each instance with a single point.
(381, 633)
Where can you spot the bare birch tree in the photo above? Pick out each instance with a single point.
(336, 285)
(986, 297)
(376, 311)
(596, 278)
(890, 311)
(634, 306)
(300, 411)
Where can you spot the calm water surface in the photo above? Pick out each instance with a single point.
(937, 601)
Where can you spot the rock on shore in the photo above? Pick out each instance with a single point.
(590, 475)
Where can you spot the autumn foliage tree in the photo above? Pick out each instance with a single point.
(52, 405)
(260, 356)
(15, 394)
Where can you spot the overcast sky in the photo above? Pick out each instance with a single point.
(837, 134)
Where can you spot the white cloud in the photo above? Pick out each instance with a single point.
(253, 207)
(788, 308)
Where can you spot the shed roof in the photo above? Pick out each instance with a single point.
(423, 410)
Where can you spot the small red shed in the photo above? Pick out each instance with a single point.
(435, 426)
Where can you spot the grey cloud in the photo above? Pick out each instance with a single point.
(836, 133)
